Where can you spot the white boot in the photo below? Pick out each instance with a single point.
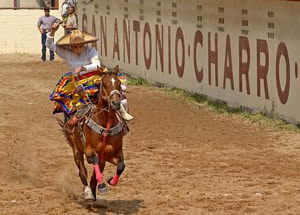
(125, 104)
(88, 195)
(126, 116)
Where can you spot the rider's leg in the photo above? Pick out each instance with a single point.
(70, 123)
(81, 112)
(124, 109)
(124, 102)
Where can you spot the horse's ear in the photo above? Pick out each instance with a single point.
(101, 70)
(116, 70)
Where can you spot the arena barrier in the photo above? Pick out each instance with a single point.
(246, 53)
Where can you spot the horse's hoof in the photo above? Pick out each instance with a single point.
(102, 188)
(88, 194)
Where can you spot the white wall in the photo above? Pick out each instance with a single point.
(19, 31)
(6, 3)
(269, 28)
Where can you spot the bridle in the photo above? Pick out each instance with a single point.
(107, 97)
(109, 129)
(103, 93)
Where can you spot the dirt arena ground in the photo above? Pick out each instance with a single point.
(181, 159)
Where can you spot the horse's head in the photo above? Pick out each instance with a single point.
(110, 87)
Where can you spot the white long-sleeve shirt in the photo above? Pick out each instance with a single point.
(88, 58)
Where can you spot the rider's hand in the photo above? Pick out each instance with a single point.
(83, 68)
(78, 70)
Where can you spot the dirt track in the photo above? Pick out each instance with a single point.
(180, 159)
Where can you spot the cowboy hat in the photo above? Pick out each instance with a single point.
(76, 37)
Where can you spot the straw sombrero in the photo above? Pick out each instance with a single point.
(76, 37)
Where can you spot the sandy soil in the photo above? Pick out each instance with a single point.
(181, 159)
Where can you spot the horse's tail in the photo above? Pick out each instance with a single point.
(68, 133)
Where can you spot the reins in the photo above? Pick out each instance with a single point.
(108, 126)
(107, 98)
(95, 111)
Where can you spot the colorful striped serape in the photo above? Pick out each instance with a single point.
(65, 96)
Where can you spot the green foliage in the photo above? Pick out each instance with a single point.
(137, 82)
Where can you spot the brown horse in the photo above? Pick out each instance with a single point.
(99, 136)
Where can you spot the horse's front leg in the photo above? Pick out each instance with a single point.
(92, 158)
(91, 152)
(119, 162)
(93, 181)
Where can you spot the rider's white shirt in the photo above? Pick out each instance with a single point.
(88, 58)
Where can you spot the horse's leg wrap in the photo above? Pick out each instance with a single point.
(95, 162)
(120, 168)
(114, 181)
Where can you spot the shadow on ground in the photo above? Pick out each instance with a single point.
(102, 206)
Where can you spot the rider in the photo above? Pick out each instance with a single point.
(81, 59)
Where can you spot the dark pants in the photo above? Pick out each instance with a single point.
(44, 36)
